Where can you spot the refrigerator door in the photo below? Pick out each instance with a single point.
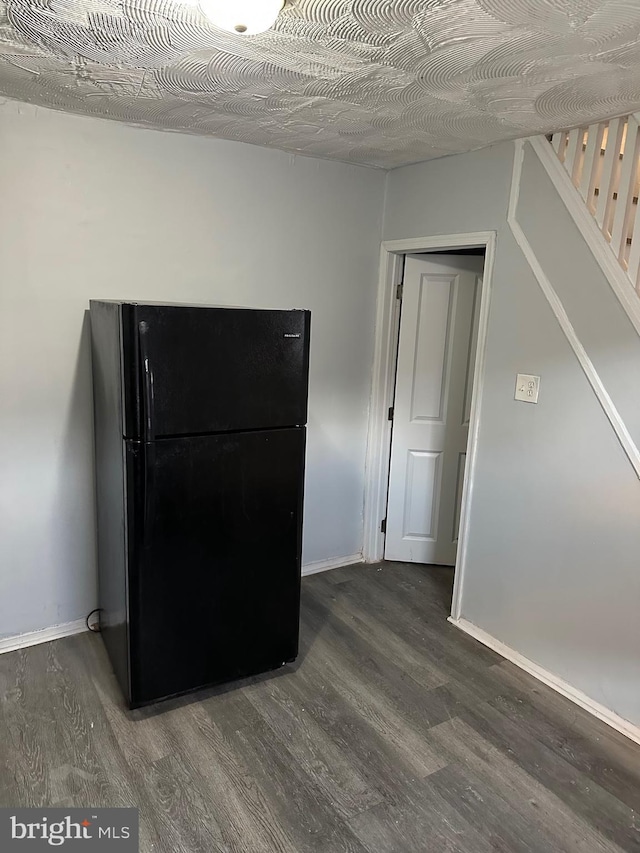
(214, 581)
(204, 370)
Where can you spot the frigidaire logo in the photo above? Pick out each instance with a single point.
(292, 335)
(73, 829)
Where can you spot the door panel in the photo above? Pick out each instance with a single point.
(423, 480)
(434, 383)
(207, 370)
(432, 326)
(216, 584)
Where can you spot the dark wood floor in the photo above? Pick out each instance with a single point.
(394, 732)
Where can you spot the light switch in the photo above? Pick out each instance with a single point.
(527, 387)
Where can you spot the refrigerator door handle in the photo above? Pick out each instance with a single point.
(149, 494)
(149, 434)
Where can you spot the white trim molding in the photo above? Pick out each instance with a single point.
(383, 386)
(382, 390)
(331, 563)
(555, 303)
(44, 635)
(607, 716)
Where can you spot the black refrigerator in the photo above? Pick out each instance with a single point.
(200, 417)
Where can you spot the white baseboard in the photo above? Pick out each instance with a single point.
(332, 563)
(32, 638)
(607, 716)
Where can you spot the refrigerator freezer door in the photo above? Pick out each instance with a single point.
(205, 370)
(215, 583)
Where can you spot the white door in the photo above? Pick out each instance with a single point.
(436, 355)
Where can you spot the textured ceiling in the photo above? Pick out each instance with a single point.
(381, 82)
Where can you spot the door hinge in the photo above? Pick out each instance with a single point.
(399, 289)
(390, 416)
(383, 525)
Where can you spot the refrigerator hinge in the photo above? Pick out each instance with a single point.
(383, 525)
(399, 289)
(390, 416)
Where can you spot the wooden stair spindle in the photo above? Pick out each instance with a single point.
(624, 204)
(610, 172)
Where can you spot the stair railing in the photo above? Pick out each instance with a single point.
(603, 162)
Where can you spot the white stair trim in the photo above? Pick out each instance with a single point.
(625, 727)
(555, 303)
(588, 227)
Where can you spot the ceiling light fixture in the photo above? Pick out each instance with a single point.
(246, 17)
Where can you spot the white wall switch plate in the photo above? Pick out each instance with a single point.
(527, 387)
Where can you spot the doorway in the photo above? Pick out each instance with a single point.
(420, 473)
(432, 405)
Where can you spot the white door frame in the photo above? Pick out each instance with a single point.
(383, 386)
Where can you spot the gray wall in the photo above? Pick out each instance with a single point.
(95, 209)
(555, 515)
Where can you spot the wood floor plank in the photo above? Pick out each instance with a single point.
(186, 821)
(460, 659)
(586, 742)
(83, 774)
(421, 597)
(33, 745)
(480, 804)
(583, 755)
(538, 805)
(223, 783)
(382, 713)
(300, 805)
(421, 821)
(380, 639)
(230, 707)
(380, 674)
(579, 791)
(310, 748)
(142, 741)
(305, 814)
(366, 747)
(112, 730)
